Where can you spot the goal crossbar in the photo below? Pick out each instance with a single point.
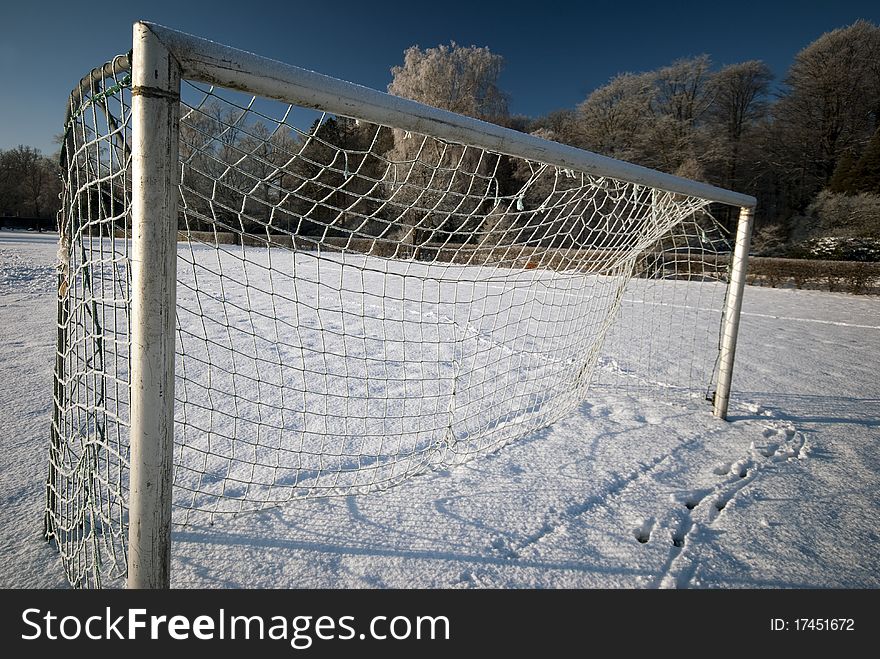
(210, 62)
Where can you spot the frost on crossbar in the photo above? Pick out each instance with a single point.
(356, 304)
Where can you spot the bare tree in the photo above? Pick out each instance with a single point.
(29, 183)
(10, 190)
(33, 178)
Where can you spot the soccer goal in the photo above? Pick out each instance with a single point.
(273, 284)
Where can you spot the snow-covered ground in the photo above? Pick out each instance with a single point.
(629, 491)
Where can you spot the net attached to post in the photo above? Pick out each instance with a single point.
(87, 486)
(356, 304)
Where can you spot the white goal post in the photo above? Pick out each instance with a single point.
(251, 313)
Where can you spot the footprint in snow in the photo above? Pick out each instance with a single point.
(643, 531)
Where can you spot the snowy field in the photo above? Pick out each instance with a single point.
(629, 491)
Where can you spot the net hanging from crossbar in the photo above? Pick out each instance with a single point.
(356, 304)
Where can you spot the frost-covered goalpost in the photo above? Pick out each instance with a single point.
(274, 284)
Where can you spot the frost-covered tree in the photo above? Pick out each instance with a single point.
(463, 79)
(739, 106)
(559, 126)
(611, 120)
(679, 105)
(739, 97)
(831, 106)
(682, 90)
(441, 191)
(651, 118)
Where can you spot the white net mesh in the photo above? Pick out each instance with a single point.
(356, 305)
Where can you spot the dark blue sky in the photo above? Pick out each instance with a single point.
(555, 52)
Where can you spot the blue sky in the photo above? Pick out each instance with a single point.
(555, 53)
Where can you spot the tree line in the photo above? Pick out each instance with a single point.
(795, 147)
(29, 184)
(808, 149)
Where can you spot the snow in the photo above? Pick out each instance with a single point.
(631, 490)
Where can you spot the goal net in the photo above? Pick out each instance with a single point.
(357, 303)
